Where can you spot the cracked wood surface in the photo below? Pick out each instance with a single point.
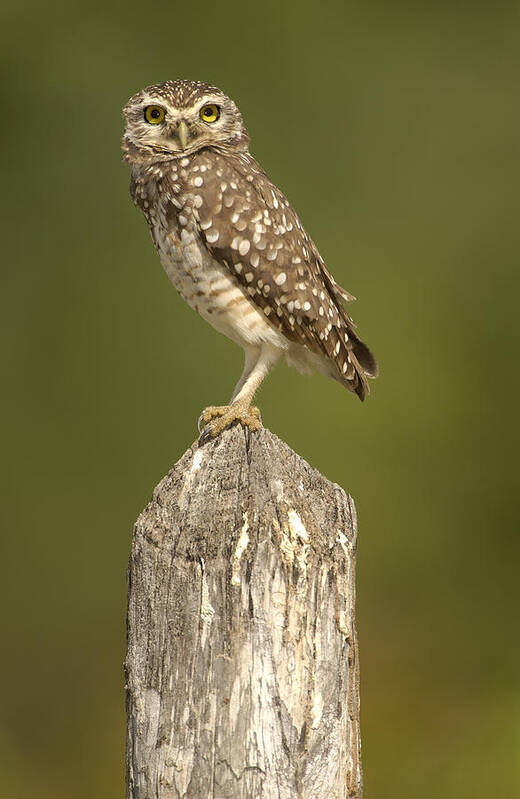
(242, 667)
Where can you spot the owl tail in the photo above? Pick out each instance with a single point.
(364, 365)
(353, 361)
(364, 357)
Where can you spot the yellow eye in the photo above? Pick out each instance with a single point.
(209, 113)
(154, 114)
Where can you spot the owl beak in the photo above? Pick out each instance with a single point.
(183, 134)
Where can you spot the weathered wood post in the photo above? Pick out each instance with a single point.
(242, 668)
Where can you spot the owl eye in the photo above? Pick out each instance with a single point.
(154, 114)
(209, 113)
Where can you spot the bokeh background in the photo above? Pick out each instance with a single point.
(394, 130)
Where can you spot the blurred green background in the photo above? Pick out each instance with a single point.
(394, 130)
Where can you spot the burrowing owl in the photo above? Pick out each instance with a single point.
(233, 246)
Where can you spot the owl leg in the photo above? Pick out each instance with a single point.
(251, 357)
(257, 366)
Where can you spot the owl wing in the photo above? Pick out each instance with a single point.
(250, 227)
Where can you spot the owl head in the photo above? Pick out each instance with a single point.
(179, 117)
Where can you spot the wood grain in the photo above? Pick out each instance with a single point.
(242, 667)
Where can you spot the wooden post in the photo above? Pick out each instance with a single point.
(242, 667)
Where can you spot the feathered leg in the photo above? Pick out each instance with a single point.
(258, 363)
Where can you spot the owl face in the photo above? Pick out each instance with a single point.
(178, 118)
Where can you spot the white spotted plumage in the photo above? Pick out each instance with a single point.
(231, 243)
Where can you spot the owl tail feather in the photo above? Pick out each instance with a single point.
(364, 364)
(364, 357)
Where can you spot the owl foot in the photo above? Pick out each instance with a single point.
(216, 418)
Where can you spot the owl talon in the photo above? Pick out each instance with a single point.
(217, 418)
(209, 413)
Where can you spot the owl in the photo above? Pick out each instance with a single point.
(233, 246)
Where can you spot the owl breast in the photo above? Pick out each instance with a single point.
(208, 287)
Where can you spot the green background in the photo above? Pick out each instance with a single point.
(393, 128)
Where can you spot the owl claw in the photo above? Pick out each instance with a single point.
(217, 418)
(210, 413)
